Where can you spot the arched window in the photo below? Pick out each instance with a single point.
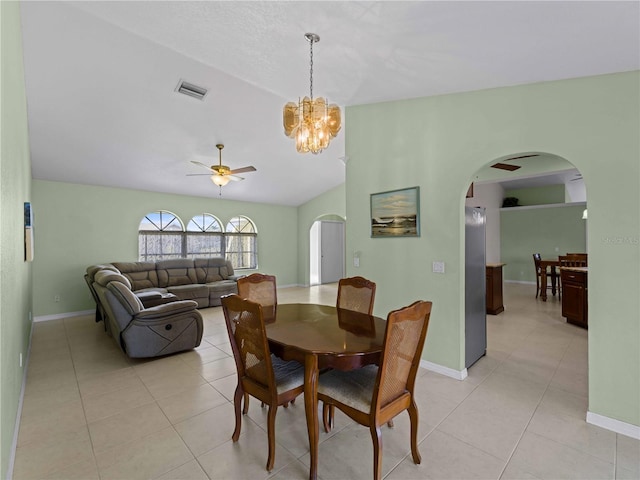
(160, 236)
(205, 237)
(241, 245)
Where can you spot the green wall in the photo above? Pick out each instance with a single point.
(15, 189)
(548, 231)
(81, 225)
(440, 142)
(330, 205)
(537, 195)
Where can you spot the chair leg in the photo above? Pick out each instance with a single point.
(325, 417)
(413, 417)
(245, 410)
(271, 427)
(376, 437)
(237, 399)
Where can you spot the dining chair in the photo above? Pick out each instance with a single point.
(536, 261)
(260, 374)
(357, 294)
(374, 395)
(573, 257)
(572, 261)
(260, 288)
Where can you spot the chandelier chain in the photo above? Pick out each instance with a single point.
(311, 68)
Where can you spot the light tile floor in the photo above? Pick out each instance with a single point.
(89, 412)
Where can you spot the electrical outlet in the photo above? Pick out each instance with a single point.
(56, 298)
(356, 261)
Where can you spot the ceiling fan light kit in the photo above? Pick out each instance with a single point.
(312, 122)
(222, 174)
(220, 180)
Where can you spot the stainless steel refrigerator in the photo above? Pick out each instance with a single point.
(475, 285)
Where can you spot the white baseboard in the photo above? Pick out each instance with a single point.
(58, 316)
(520, 281)
(614, 425)
(442, 370)
(14, 443)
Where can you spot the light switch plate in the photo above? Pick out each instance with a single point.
(438, 267)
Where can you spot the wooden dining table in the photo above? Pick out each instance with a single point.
(319, 337)
(552, 265)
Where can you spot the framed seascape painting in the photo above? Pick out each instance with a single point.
(396, 213)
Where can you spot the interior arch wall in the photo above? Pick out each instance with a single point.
(438, 142)
(330, 205)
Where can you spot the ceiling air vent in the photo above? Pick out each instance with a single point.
(505, 166)
(191, 90)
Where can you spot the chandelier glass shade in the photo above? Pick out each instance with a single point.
(312, 122)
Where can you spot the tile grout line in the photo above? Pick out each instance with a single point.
(537, 406)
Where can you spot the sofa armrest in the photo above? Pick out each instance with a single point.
(167, 309)
(235, 277)
(148, 295)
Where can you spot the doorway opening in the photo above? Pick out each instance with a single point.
(545, 213)
(327, 250)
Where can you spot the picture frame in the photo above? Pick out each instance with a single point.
(396, 213)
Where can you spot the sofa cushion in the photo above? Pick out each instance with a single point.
(217, 290)
(129, 301)
(93, 269)
(104, 277)
(212, 269)
(176, 272)
(197, 292)
(140, 274)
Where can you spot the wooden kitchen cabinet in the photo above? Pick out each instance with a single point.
(494, 288)
(574, 295)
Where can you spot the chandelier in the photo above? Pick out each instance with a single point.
(311, 121)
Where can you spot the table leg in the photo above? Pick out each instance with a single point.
(543, 283)
(553, 280)
(311, 410)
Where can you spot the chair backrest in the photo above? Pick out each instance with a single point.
(260, 288)
(245, 326)
(536, 261)
(357, 294)
(403, 342)
(572, 260)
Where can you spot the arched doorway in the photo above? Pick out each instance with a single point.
(531, 338)
(326, 250)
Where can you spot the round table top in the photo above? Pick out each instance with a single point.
(324, 329)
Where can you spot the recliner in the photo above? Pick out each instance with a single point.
(146, 332)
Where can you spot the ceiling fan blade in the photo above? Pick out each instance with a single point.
(201, 164)
(235, 178)
(242, 170)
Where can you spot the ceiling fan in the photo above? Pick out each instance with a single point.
(221, 174)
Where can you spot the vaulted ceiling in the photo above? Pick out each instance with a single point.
(101, 78)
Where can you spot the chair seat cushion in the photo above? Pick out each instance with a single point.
(288, 375)
(353, 388)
